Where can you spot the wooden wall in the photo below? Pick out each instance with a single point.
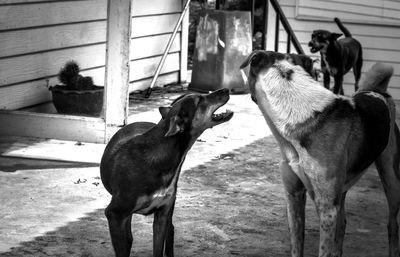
(375, 23)
(38, 37)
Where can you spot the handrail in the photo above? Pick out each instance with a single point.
(280, 16)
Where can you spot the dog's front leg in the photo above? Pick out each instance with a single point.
(341, 224)
(327, 79)
(296, 201)
(160, 225)
(338, 87)
(328, 217)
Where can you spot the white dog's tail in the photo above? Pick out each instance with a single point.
(377, 78)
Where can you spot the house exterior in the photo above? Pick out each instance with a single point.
(375, 23)
(38, 37)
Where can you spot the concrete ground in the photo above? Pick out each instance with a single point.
(230, 199)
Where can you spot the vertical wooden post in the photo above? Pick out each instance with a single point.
(277, 21)
(116, 99)
(265, 25)
(184, 45)
(288, 43)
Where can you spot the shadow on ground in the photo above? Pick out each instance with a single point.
(12, 164)
(232, 205)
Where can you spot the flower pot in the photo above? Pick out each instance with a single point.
(88, 102)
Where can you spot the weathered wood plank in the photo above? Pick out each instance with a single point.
(144, 7)
(47, 64)
(117, 65)
(7, 2)
(36, 92)
(326, 13)
(152, 45)
(46, 13)
(184, 43)
(162, 80)
(145, 68)
(355, 29)
(367, 42)
(49, 38)
(351, 7)
(152, 25)
(58, 126)
(51, 149)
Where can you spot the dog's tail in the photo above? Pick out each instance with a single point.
(345, 31)
(377, 78)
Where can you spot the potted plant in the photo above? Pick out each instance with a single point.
(77, 95)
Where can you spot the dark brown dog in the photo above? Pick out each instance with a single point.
(327, 142)
(141, 164)
(337, 56)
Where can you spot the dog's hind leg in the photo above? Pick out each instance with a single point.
(169, 240)
(388, 168)
(296, 201)
(119, 222)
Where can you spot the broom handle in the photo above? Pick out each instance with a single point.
(171, 40)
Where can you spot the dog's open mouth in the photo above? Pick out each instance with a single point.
(222, 117)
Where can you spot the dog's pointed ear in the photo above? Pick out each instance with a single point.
(164, 111)
(249, 59)
(175, 126)
(335, 36)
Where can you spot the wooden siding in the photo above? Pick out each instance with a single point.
(38, 37)
(380, 38)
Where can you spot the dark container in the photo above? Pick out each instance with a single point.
(88, 102)
(223, 41)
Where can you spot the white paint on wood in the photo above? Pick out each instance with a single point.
(385, 12)
(31, 93)
(29, 67)
(153, 25)
(46, 13)
(144, 7)
(49, 38)
(117, 65)
(145, 68)
(162, 80)
(184, 38)
(152, 45)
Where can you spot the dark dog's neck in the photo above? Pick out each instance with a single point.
(166, 151)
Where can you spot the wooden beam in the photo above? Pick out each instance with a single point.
(65, 127)
(184, 45)
(117, 65)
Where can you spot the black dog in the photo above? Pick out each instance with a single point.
(141, 164)
(337, 56)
